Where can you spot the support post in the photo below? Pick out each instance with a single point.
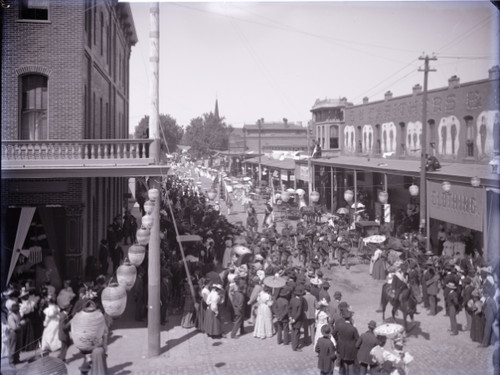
(154, 241)
(423, 156)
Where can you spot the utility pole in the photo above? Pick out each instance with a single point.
(309, 153)
(154, 239)
(259, 123)
(424, 223)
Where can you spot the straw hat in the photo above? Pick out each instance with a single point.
(323, 302)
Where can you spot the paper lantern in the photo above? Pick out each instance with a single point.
(383, 196)
(257, 190)
(211, 194)
(149, 207)
(285, 196)
(114, 300)
(143, 235)
(314, 196)
(126, 275)
(446, 185)
(300, 192)
(136, 254)
(277, 196)
(87, 328)
(147, 221)
(153, 194)
(475, 181)
(348, 196)
(413, 189)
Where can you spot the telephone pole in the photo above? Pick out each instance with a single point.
(424, 223)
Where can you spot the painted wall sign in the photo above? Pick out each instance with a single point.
(462, 205)
(449, 136)
(414, 138)
(367, 141)
(388, 137)
(349, 139)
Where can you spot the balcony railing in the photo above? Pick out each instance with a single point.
(76, 152)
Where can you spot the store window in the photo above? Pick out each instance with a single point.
(334, 136)
(34, 107)
(34, 10)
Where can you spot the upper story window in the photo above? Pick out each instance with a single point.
(34, 107)
(34, 10)
(334, 136)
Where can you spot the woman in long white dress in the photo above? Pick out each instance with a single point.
(264, 322)
(322, 318)
(50, 336)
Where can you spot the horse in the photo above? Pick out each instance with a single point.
(406, 302)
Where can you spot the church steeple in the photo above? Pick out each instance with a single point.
(216, 112)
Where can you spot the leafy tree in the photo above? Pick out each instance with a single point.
(169, 131)
(207, 133)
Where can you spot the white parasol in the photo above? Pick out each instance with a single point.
(343, 211)
(275, 281)
(241, 250)
(377, 238)
(358, 205)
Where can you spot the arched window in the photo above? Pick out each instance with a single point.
(469, 136)
(34, 107)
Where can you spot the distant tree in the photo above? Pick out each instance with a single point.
(207, 133)
(169, 131)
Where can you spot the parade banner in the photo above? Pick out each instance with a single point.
(462, 205)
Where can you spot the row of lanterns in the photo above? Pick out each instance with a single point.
(287, 194)
(87, 326)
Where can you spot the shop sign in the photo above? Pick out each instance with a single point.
(284, 176)
(462, 205)
(302, 172)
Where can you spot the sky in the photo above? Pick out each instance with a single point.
(272, 60)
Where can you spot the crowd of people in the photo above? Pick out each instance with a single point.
(263, 281)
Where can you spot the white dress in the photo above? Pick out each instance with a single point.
(50, 336)
(264, 322)
(321, 320)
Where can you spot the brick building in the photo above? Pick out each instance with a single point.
(376, 146)
(65, 146)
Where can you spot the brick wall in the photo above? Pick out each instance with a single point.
(57, 48)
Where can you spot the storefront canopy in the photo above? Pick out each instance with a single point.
(266, 161)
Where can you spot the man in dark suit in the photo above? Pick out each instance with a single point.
(452, 307)
(280, 309)
(326, 351)
(310, 315)
(366, 342)
(239, 311)
(333, 306)
(296, 313)
(346, 336)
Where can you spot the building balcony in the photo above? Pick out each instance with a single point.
(88, 157)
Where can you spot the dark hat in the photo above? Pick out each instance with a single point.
(326, 330)
(299, 290)
(346, 314)
(372, 324)
(325, 284)
(337, 295)
(343, 305)
(429, 262)
(284, 292)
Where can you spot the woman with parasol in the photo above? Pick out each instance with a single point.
(213, 324)
(264, 327)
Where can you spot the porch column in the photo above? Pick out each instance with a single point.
(74, 259)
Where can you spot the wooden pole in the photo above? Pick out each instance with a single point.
(154, 241)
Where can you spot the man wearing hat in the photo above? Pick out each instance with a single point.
(333, 306)
(326, 351)
(346, 336)
(366, 342)
(452, 307)
(310, 315)
(296, 312)
(280, 310)
(425, 277)
(323, 293)
(238, 302)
